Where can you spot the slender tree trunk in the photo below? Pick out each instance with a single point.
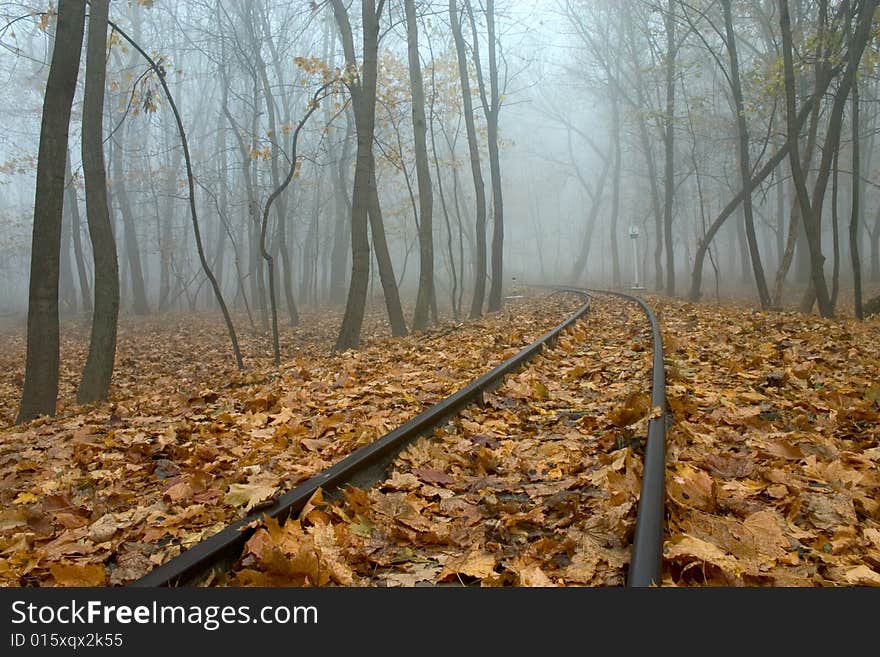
(40, 392)
(875, 248)
(138, 288)
(67, 295)
(223, 205)
(494, 106)
(616, 276)
(476, 171)
(166, 243)
(98, 370)
(426, 196)
(365, 206)
(71, 205)
(383, 258)
(341, 224)
(856, 199)
(835, 230)
(453, 271)
(197, 233)
(669, 147)
(580, 262)
(745, 165)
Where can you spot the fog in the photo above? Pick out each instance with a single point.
(612, 114)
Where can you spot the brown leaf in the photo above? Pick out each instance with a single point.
(476, 563)
(636, 407)
(692, 488)
(72, 574)
(433, 476)
(248, 495)
(862, 576)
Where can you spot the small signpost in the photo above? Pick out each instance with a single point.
(634, 235)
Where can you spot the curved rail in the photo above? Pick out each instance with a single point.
(362, 468)
(647, 551)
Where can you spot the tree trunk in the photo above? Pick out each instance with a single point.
(495, 289)
(426, 196)
(745, 165)
(98, 370)
(40, 391)
(669, 147)
(835, 230)
(341, 227)
(363, 207)
(616, 276)
(856, 200)
(71, 205)
(67, 290)
(138, 288)
(476, 171)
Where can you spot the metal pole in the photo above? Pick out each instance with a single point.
(636, 261)
(634, 236)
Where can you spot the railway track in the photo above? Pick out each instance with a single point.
(210, 561)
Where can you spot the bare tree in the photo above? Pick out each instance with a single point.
(40, 392)
(98, 370)
(425, 294)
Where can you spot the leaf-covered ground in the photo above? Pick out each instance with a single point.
(774, 449)
(536, 487)
(102, 494)
(772, 475)
(772, 460)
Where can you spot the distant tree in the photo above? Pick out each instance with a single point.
(476, 171)
(491, 102)
(745, 165)
(40, 393)
(426, 197)
(862, 14)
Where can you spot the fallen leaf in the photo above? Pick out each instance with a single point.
(248, 495)
(80, 575)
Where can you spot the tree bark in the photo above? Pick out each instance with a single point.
(40, 392)
(745, 165)
(476, 171)
(669, 147)
(492, 107)
(811, 209)
(364, 206)
(71, 205)
(856, 199)
(98, 370)
(138, 288)
(423, 173)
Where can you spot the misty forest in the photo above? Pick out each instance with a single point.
(245, 241)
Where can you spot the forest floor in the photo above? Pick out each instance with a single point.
(772, 458)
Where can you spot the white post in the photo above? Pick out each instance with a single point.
(634, 235)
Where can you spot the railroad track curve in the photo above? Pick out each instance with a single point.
(369, 466)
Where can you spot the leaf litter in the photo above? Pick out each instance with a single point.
(538, 486)
(773, 450)
(187, 444)
(772, 458)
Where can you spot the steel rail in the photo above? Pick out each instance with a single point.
(363, 467)
(647, 551)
